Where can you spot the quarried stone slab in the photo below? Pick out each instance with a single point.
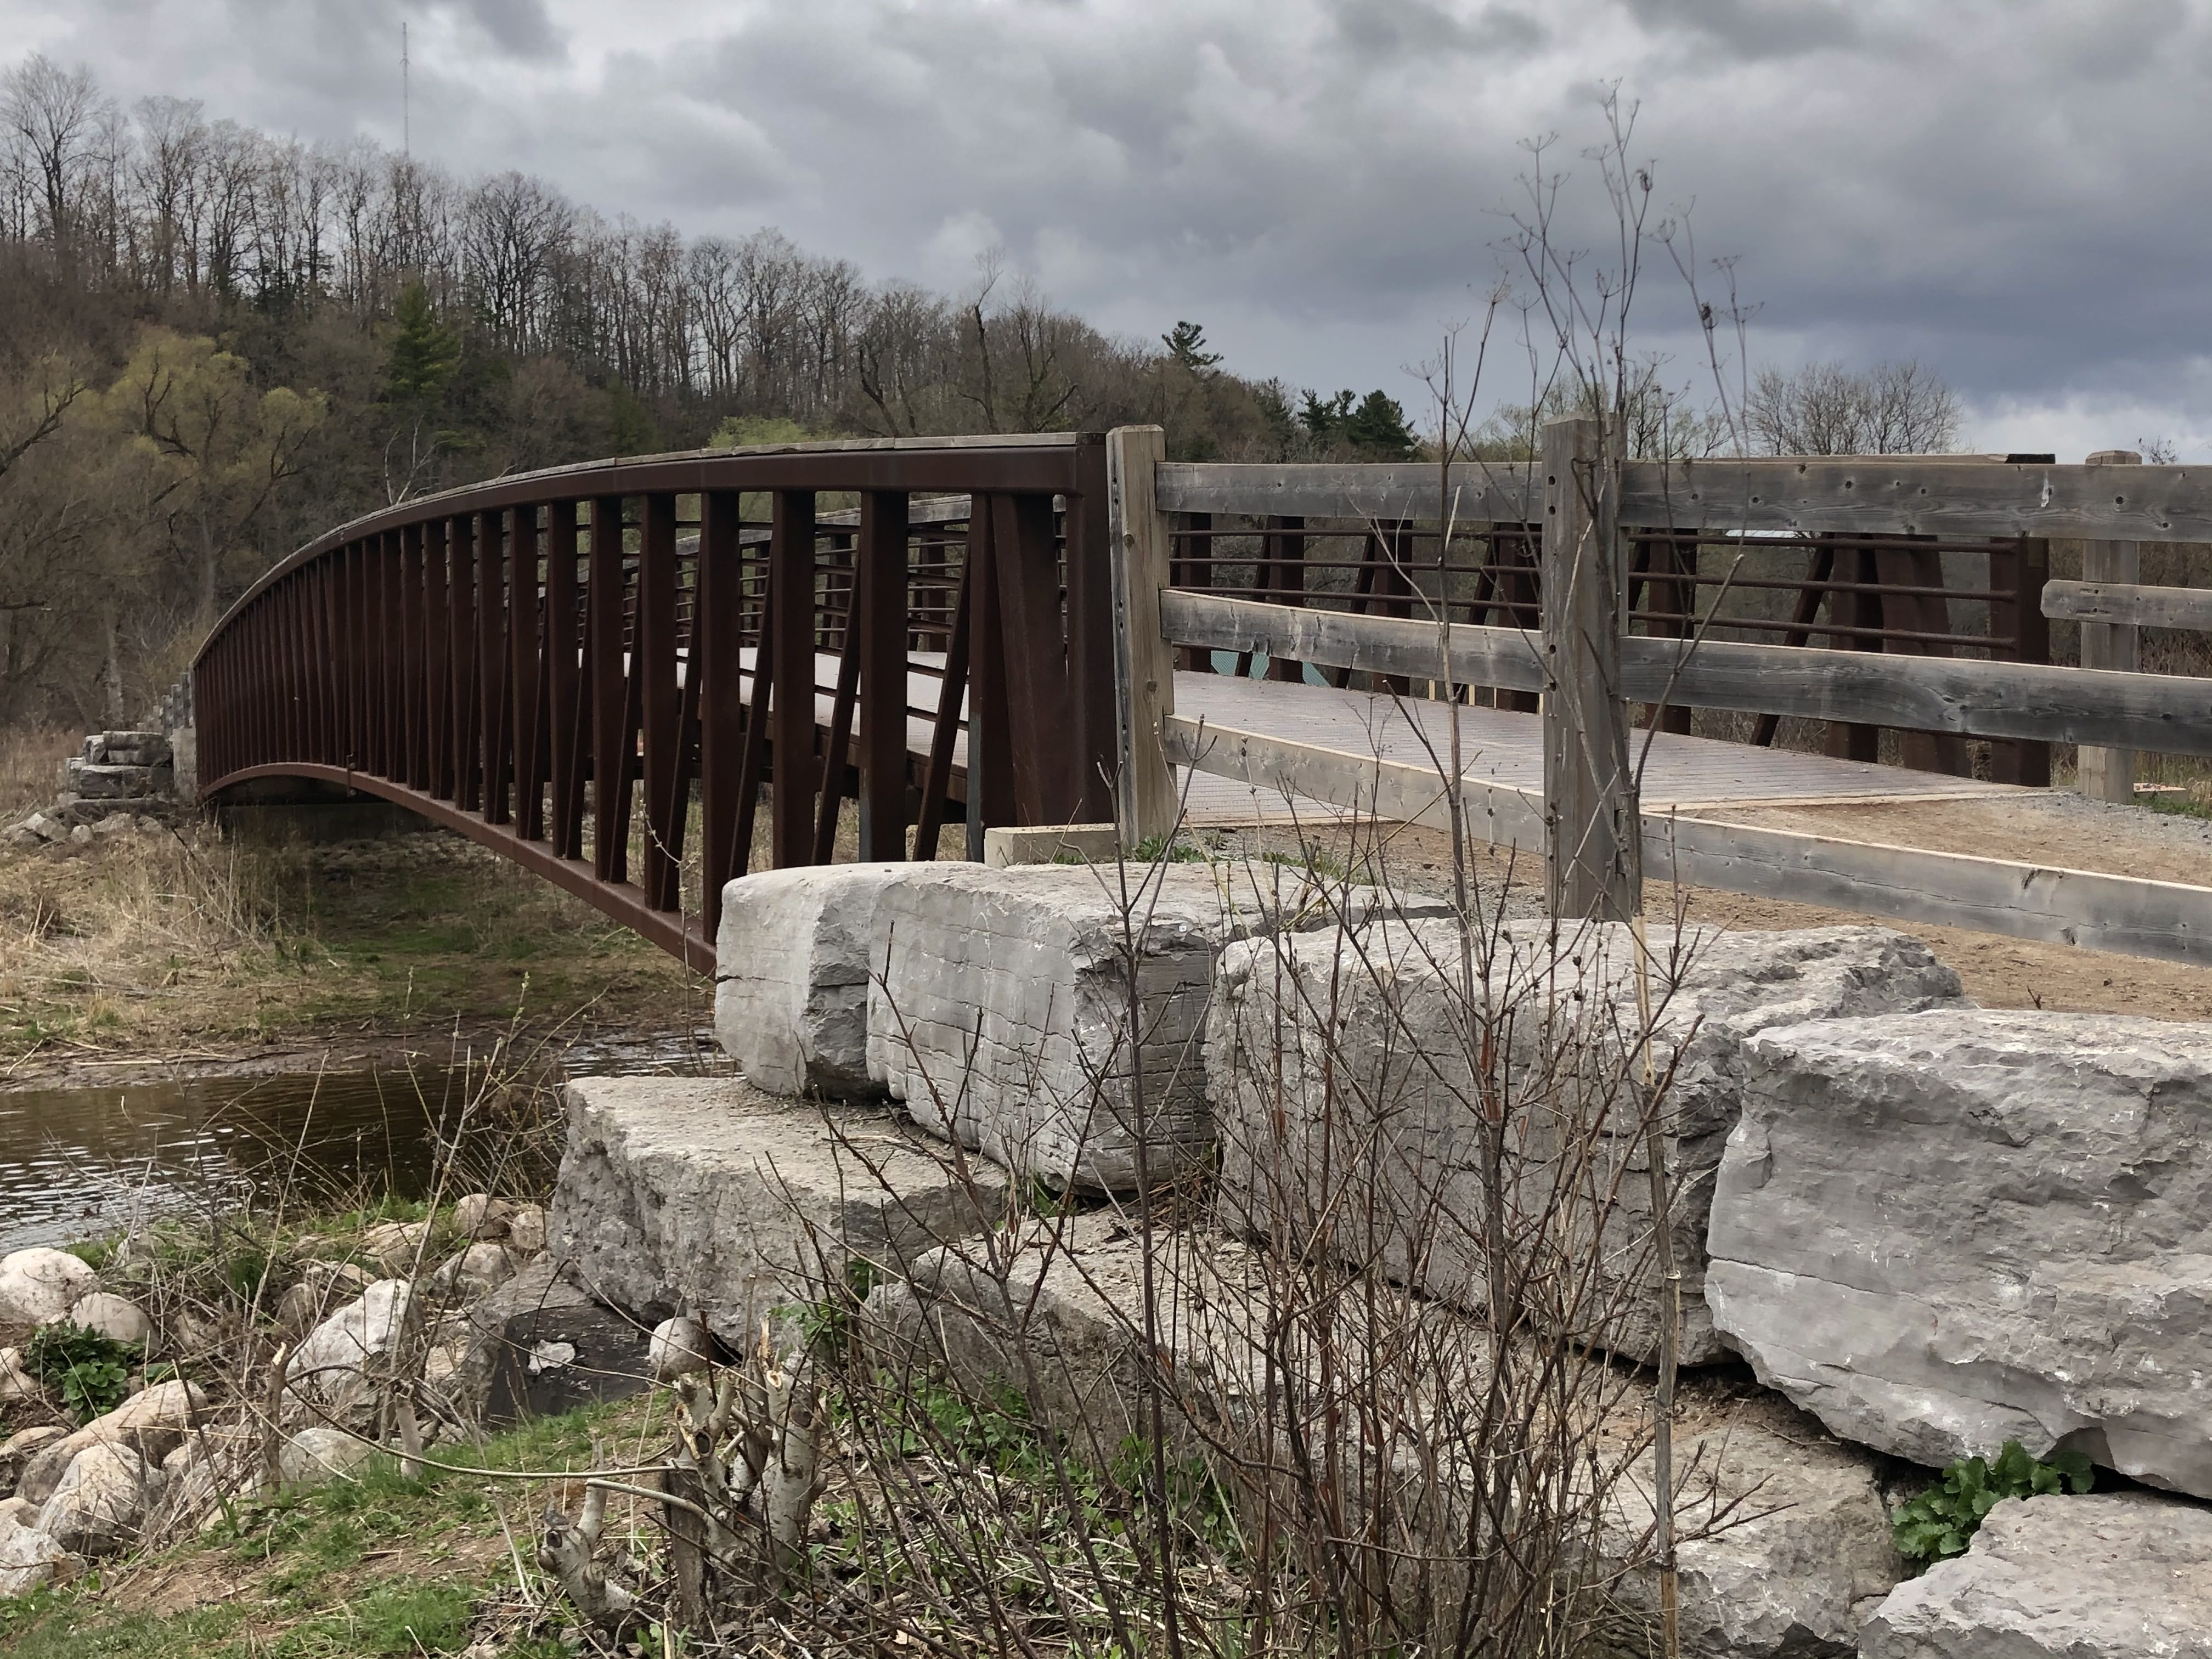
(1352, 1071)
(2105, 1576)
(793, 957)
(1052, 1017)
(1785, 1539)
(704, 1195)
(1941, 1231)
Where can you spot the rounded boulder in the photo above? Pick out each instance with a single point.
(117, 1318)
(680, 1347)
(38, 1286)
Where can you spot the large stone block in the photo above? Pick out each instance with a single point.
(1943, 1231)
(102, 1496)
(1351, 1074)
(704, 1195)
(1785, 1545)
(794, 957)
(2108, 1575)
(109, 782)
(147, 748)
(1003, 1019)
(29, 1559)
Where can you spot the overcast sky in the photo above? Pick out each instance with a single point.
(2012, 191)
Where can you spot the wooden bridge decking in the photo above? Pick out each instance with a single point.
(1681, 773)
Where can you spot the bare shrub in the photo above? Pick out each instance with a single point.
(1352, 1396)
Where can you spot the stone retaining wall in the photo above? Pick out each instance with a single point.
(1932, 1227)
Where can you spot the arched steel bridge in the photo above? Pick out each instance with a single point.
(593, 669)
(603, 672)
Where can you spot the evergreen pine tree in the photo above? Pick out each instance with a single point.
(1323, 417)
(1186, 344)
(424, 352)
(1379, 427)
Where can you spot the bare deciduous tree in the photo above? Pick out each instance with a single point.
(1824, 409)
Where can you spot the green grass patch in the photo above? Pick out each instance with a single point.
(373, 1565)
(2180, 806)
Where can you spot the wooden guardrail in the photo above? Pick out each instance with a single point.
(1589, 675)
(2129, 603)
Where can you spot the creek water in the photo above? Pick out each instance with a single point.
(82, 1162)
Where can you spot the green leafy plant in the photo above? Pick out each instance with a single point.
(1942, 1522)
(92, 1373)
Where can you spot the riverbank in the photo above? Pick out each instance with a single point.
(186, 952)
(365, 1557)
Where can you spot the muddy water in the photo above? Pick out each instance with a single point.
(82, 1163)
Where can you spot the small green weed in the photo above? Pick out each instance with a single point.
(2188, 806)
(1322, 866)
(1942, 1522)
(1157, 849)
(91, 1371)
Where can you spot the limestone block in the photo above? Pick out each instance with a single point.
(471, 1272)
(2106, 1575)
(395, 1246)
(679, 1347)
(1786, 1545)
(20, 1448)
(705, 1195)
(1344, 1069)
(1942, 1230)
(480, 1215)
(1055, 1314)
(525, 1230)
(1002, 1019)
(102, 1497)
(321, 1288)
(129, 748)
(792, 960)
(107, 782)
(15, 1382)
(1785, 1548)
(40, 1286)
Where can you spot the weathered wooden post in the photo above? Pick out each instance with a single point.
(2110, 774)
(1593, 847)
(1143, 666)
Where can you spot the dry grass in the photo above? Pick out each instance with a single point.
(31, 765)
(185, 945)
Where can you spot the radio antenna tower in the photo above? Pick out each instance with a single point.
(406, 110)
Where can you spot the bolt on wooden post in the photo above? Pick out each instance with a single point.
(2109, 774)
(1593, 846)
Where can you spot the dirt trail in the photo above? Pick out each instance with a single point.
(2057, 828)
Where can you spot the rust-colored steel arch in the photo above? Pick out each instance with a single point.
(585, 669)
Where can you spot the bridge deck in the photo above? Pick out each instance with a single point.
(1682, 772)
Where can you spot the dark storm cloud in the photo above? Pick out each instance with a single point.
(2011, 190)
(1757, 28)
